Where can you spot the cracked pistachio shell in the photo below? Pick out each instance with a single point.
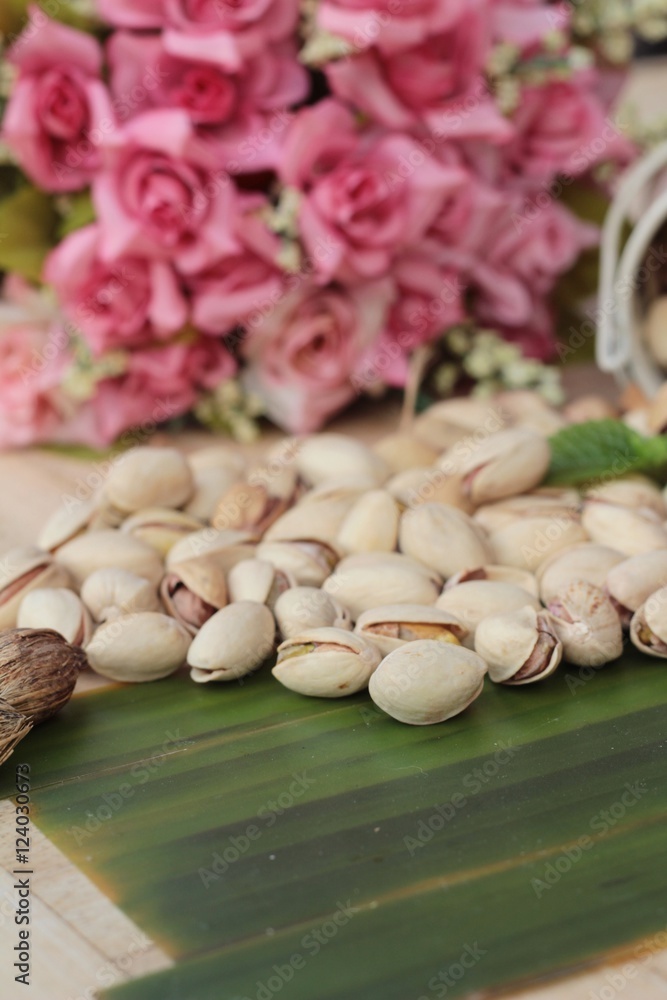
(428, 485)
(21, 571)
(587, 561)
(233, 643)
(403, 451)
(368, 580)
(160, 527)
(309, 563)
(58, 609)
(318, 519)
(258, 580)
(475, 600)
(256, 502)
(149, 477)
(301, 608)
(506, 464)
(631, 491)
(497, 574)
(648, 628)
(493, 516)
(371, 525)
(109, 549)
(323, 457)
(145, 646)
(630, 530)
(426, 682)
(391, 626)
(444, 538)
(193, 590)
(631, 582)
(520, 647)
(326, 663)
(65, 523)
(110, 593)
(236, 545)
(528, 543)
(587, 624)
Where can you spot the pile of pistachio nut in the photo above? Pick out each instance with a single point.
(413, 567)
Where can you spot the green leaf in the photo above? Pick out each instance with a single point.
(79, 212)
(27, 232)
(603, 449)
(14, 15)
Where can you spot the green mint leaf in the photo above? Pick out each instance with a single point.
(585, 453)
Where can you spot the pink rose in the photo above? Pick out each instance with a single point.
(122, 303)
(161, 383)
(561, 128)
(162, 197)
(59, 111)
(527, 23)
(523, 257)
(304, 353)
(364, 196)
(438, 82)
(222, 31)
(238, 286)
(430, 296)
(537, 337)
(390, 25)
(231, 108)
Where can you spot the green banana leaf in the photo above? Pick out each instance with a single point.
(318, 850)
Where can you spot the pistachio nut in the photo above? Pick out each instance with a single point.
(233, 643)
(109, 549)
(630, 583)
(236, 545)
(648, 628)
(426, 682)
(144, 646)
(443, 538)
(218, 456)
(194, 589)
(110, 593)
(371, 525)
(585, 408)
(312, 519)
(334, 456)
(309, 563)
(215, 469)
(528, 543)
(258, 580)
(526, 408)
(586, 561)
(638, 420)
(631, 491)
(257, 501)
(437, 432)
(23, 570)
(628, 529)
(66, 523)
(520, 647)
(368, 580)
(497, 515)
(475, 600)
(468, 412)
(326, 663)
(149, 477)
(505, 464)
(393, 625)
(301, 608)
(403, 451)
(429, 485)
(57, 609)
(160, 527)
(497, 574)
(587, 624)
(655, 329)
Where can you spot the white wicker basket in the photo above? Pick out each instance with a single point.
(620, 344)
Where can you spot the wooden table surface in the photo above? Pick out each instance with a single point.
(77, 931)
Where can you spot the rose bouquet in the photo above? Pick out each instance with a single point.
(242, 206)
